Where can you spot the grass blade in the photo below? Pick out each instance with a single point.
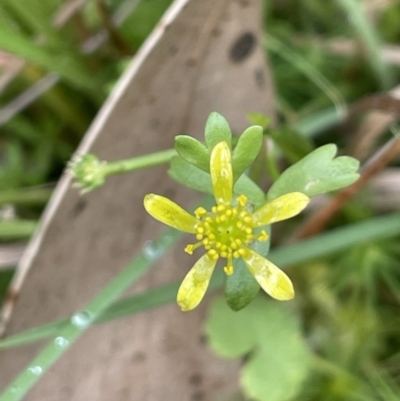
(69, 332)
(67, 67)
(276, 46)
(16, 229)
(370, 38)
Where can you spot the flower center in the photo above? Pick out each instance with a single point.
(226, 231)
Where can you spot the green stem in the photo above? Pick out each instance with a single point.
(90, 173)
(137, 163)
(80, 322)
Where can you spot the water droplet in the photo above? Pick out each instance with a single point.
(152, 251)
(82, 319)
(15, 390)
(35, 370)
(61, 342)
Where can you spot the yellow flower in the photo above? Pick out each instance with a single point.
(227, 231)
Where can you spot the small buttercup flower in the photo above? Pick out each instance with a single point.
(226, 231)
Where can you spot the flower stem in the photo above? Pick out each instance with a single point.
(90, 172)
(137, 163)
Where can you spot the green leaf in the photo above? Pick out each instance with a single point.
(262, 247)
(317, 173)
(190, 176)
(230, 333)
(217, 130)
(244, 185)
(193, 151)
(294, 145)
(280, 359)
(246, 150)
(276, 372)
(240, 287)
(194, 178)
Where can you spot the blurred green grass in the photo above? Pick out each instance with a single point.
(348, 303)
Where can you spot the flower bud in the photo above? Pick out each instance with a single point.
(89, 172)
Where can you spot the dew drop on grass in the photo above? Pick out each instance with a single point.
(82, 319)
(15, 390)
(35, 370)
(61, 342)
(152, 251)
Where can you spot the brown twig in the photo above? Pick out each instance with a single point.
(376, 163)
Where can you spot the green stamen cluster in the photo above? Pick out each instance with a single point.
(226, 231)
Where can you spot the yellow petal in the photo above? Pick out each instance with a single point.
(195, 284)
(221, 173)
(271, 279)
(169, 213)
(281, 208)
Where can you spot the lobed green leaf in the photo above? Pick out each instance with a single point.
(230, 333)
(271, 332)
(283, 358)
(317, 173)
